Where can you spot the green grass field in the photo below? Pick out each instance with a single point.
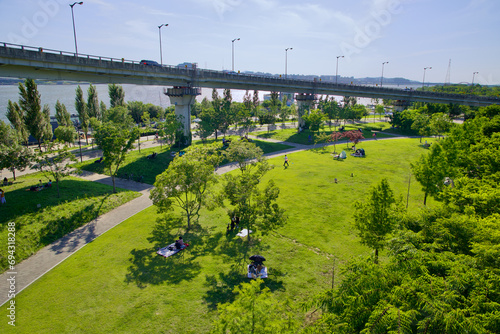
(291, 135)
(80, 202)
(137, 164)
(118, 284)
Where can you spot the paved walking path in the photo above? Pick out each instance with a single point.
(50, 256)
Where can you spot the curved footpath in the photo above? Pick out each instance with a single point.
(29, 270)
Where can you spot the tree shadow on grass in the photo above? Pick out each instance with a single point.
(220, 289)
(147, 267)
(60, 229)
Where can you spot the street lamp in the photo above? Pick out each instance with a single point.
(159, 33)
(337, 70)
(234, 40)
(423, 80)
(74, 30)
(473, 75)
(286, 61)
(382, 77)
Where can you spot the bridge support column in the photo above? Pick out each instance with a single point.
(182, 98)
(304, 104)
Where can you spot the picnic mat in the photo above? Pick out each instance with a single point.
(263, 272)
(243, 233)
(169, 250)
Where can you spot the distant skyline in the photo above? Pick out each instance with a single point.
(408, 34)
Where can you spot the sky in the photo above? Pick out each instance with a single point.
(408, 34)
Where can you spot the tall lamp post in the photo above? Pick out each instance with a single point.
(73, 17)
(423, 80)
(159, 33)
(337, 70)
(382, 77)
(234, 40)
(473, 75)
(286, 61)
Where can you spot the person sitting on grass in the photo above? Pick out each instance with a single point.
(5, 181)
(180, 244)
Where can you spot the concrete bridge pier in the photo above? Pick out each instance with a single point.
(304, 103)
(182, 98)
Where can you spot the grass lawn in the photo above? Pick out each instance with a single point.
(117, 284)
(137, 164)
(291, 135)
(80, 202)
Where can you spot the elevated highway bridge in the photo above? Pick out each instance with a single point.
(38, 63)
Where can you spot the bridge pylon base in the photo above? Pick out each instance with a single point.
(182, 98)
(304, 103)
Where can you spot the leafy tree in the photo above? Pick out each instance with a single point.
(118, 115)
(115, 140)
(440, 123)
(314, 120)
(375, 218)
(354, 136)
(102, 108)
(136, 110)
(185, 183)
(93, 109)
(12, 155)
(62, 115)
(30, 104)
(15, 157)
(430, 170)
(65, 134)
(15, 116)
(47, 127)
(255, 310)
(81, 109)
(379, 110)
(256, 207)
(116, 96)
(422, 125)
(56, 164)
(334, 137)
(331, 109)
(146, 120)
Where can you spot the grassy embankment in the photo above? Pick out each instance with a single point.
(118, 284)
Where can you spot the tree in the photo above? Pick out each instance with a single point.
(47, 127)
(15, 157)
(255, 310)
(331, 109)
(12, 155)
(15, 116)
(115, 140)
(185, 183)
(375, 218)
(422, 125)
(65, 134)
(334, 137)
(379, 110)
(56, 164)
(118, 115)
(314, 120)
(62, 115)
(256, 207)
(431, 169)
(81, 110)
(136, 109)
(354, 136)
(440, 123)
(31, 105)
(116, 96)
(146, 121)
(93, 109)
